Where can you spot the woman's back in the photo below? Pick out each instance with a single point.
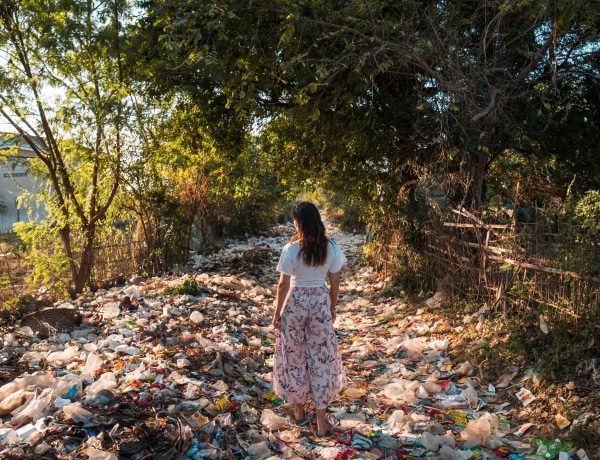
(292, 263)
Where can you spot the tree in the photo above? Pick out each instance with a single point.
(73, 47)
(434, 86)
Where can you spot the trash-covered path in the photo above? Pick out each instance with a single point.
(181, 367)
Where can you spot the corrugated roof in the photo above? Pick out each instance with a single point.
(10, 140)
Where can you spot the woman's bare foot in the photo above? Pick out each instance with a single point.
(323, 429)
(299, 413)
(323, 426)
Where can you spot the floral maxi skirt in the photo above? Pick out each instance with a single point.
(308, 364)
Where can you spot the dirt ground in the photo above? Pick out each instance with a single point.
(153, 418)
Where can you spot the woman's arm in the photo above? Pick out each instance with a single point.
(334, 290)
(282, 290)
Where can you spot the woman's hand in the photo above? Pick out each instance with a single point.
(276, 323)
(283, 288)
(334, 289)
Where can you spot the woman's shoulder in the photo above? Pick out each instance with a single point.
(335, 247)
(333, 243)
(291, 246)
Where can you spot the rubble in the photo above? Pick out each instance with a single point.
(181, 367)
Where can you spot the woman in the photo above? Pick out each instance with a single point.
(308, 365)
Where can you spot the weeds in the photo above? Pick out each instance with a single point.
(188, 287)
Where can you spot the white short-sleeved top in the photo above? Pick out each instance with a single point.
(309, 276)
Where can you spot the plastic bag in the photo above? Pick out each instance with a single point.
(289, 435)
(447, 440)
(68, 387)
(328, 453)
(190, 392)
(67, 356)
(34, 409)
(492, 418)
(447, 453)
(394, 390)
(14, 401)
(396, 421)
(224, 420)
(439, 345)
(110, 310)
(463, 369)
(354, 392)
(271, 421)
(93, 364)
(41, 449)
(432, 387)
(259, 450)
(476, 433)
(430, 441)
(77, 413)
(196, 317)
(421, 392)
(107, 381)
(95, 454)
(415, 346)
(28, 382)
(469, 394)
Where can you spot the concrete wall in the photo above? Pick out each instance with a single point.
(15, 180)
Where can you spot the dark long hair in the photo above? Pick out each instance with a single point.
(311, 234)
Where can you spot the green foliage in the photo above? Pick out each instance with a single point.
(587, 215)
(578, 238)
(394, 242)
(42, 249)
(76, 48)
(188, 287)
(340, 207)
(256, 197)
(214, 113)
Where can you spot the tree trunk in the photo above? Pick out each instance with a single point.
(86, 260)
(81, 270)
(477, 177)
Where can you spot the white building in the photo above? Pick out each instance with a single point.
(15, 180)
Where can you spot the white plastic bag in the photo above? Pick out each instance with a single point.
(476, 433)
(271, 421)
(95, 454)
(93, 364)
(27, 382)
(259, 450)
(394, 390)
(397, 421)
(110, 310)
(34, 409)
(77, 413)
(469, 394)
(463, 369)
(430, 441)
(196, 317)
(415, 345)
(67, 356)
(107, 381)
(14, 401)
(224, 420)
(447, 453)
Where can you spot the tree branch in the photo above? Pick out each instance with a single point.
(485, 112)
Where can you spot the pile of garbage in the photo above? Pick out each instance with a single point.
(180, 367)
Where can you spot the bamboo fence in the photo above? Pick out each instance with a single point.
(514, 265)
